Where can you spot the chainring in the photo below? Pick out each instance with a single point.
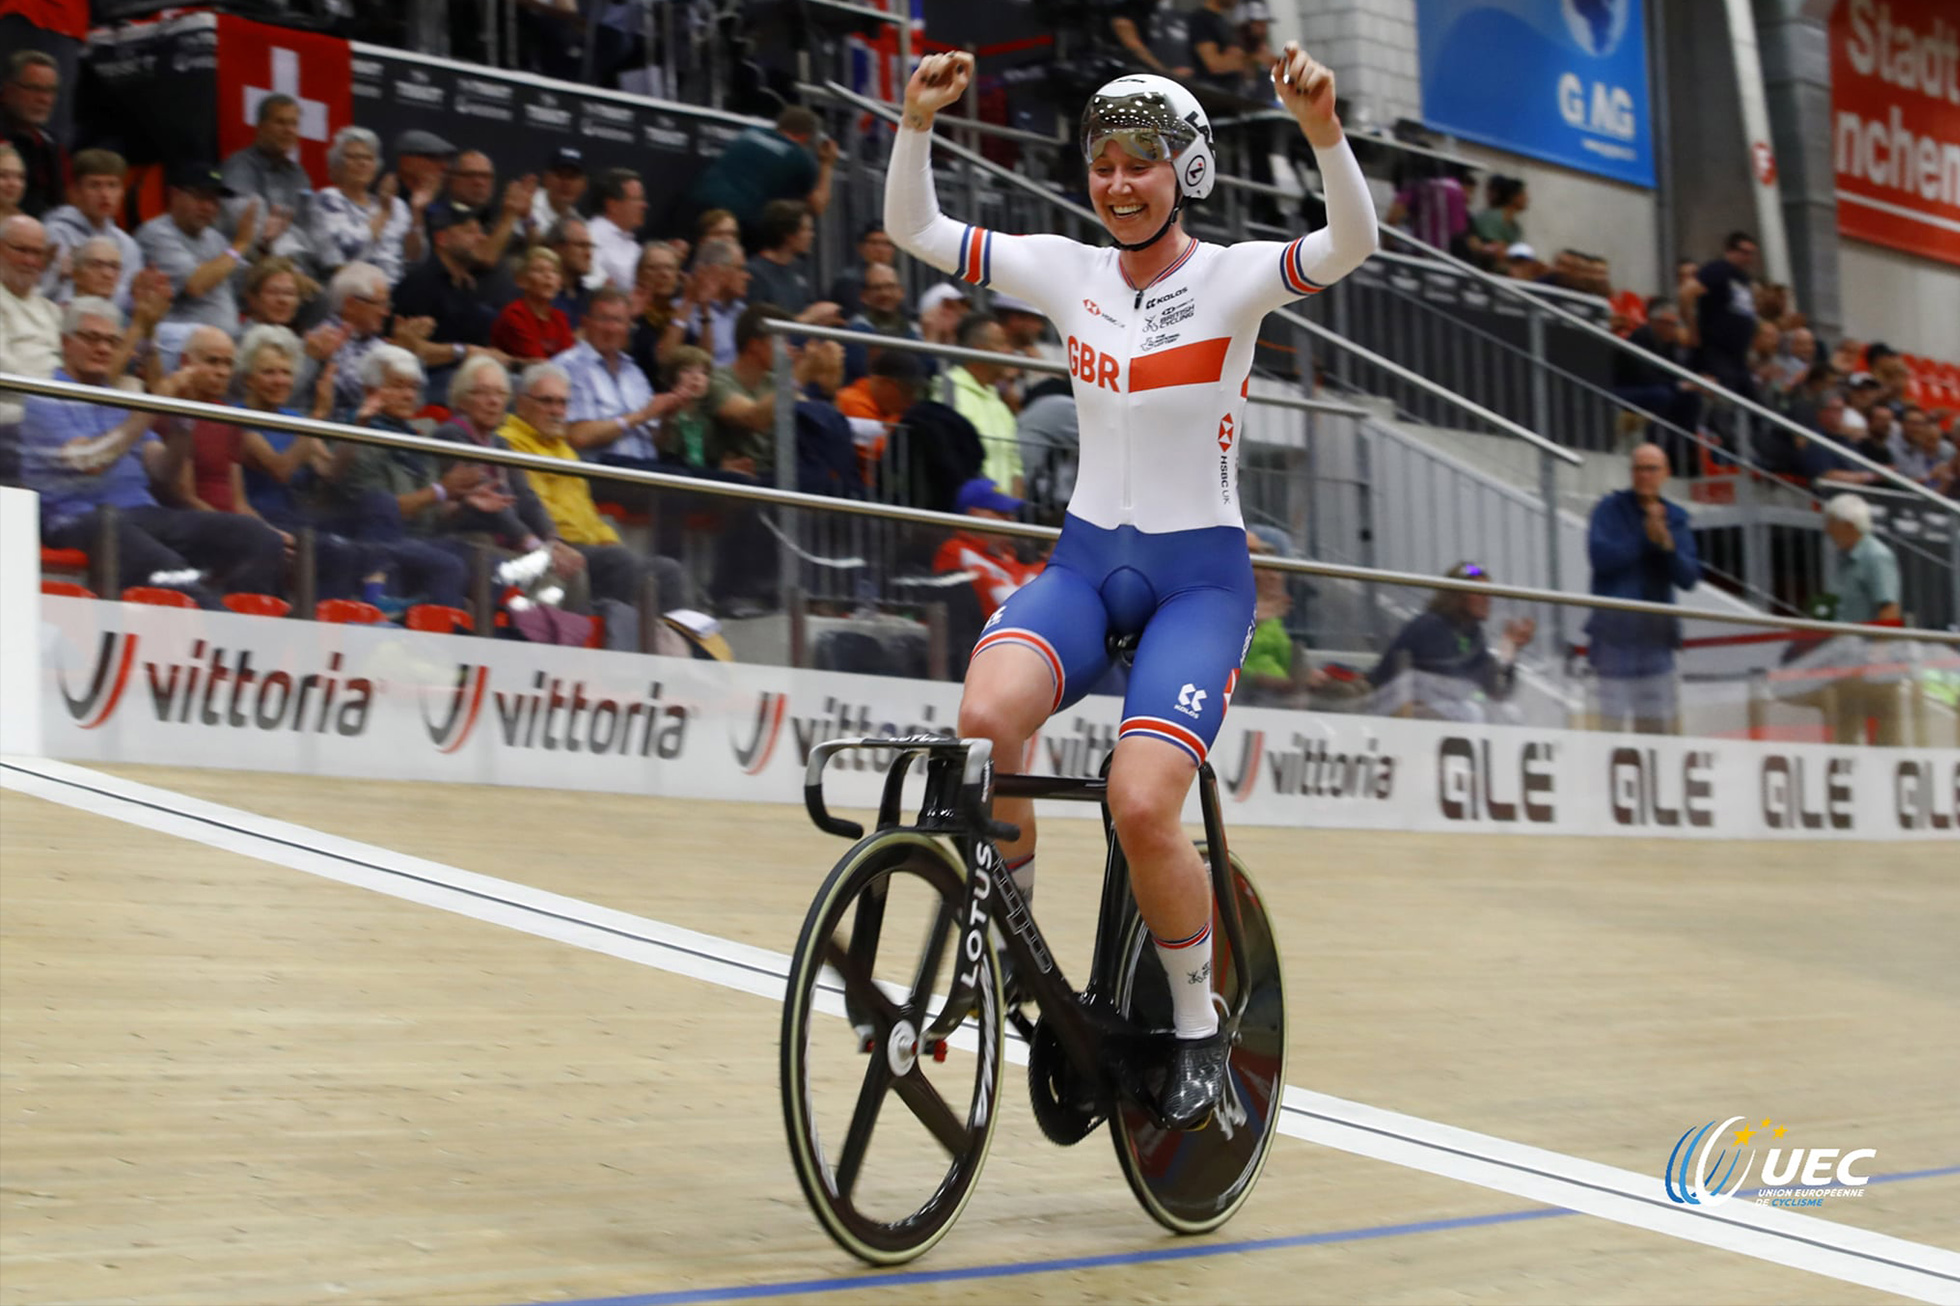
(1051, 1088)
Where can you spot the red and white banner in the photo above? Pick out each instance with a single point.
(1895, 109)
(255, 61)
(129, 683)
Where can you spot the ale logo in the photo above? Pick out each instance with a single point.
(1708, 1166)
(113, 660)
(465, 705)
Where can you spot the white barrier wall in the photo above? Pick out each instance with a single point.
(128, 683)
(20, 624)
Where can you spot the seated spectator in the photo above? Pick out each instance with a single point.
(1048, 430)
(1026, 330)
(826, 455)
(874, 250)
(614, 415)
(941, 310)
(472, 192)
(355, 220)
(742, 400)
(1272, 673)
(770, 163)
(876, 402)
(1819, 459)
(1861, 395)
(30, 326)
(1434, 207)
(713, 299)
(27, 102)
(267, 176)
(398, 499)
(422, 161)
(1918, 451)
(185, 243)
(84, 457)
(13, 181)
(560, 189)
(93, 213)
(358, 302)
(1440, 664)
(992, 561)
(95, 270)
(571, 241)
(657, 328)
(779, 271)
(881, 311)
(1793, 364)
(615, 232)
(274, 290)
(537, 426)
(210, 479)
(1892, 375)
(1495, 231)
(716, 224)
(685, 434)
(1764, 352)
(977, 399)
(1848, 358)
(443, 291)
(531, 328)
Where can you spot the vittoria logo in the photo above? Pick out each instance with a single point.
(770, 708)
(1808, 794)
(1926, 796)
(212, 687)
(1311, 769)
(1080, 751)
(837, 720)
(1645, 791)
(559, 716)
(1472, 785)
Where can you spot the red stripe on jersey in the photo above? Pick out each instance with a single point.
(976, 241)
(1199, 363)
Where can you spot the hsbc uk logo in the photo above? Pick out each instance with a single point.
(1191, 701)
(1225, 432)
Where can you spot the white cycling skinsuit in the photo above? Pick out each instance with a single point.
(1154, 541)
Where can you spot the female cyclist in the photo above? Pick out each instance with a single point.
(1160, 333)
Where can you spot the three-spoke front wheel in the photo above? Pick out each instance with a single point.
(888, 1133)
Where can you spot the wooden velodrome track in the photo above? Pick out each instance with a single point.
(231, 1070)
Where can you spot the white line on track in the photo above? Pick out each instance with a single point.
(1625, 1197)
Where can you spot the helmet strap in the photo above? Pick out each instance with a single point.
(1176, 208)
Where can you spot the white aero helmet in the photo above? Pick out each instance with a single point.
(1153, 118)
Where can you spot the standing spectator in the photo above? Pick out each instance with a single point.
(84, 457)
(714, 299)
(266, 172)
(1675, 401)
(976, 398)
(614, 416)
(1129, 27)
(1862, 574)
(1442, 666)
(355, 220)
(27, 103)
(770, 163)
(615, 232)
(563, 186)
(531, 328)
(13, 181)
(1496, 231)
(658, 330)
(571, 241)
(1917, 448)
(991, 560)
(1213, 48)
(443, 289)
(30, 326)
(185, 244)
(1640, 547)
(94, 206)
(874, 250)
(779, 271)
(1434, 207)
(1723, 308)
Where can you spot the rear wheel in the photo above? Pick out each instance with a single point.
(1193, 1182)
(887, 1178)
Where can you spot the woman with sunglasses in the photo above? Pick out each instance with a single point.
(1160, 332)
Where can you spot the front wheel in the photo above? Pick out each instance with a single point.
(1193, 1182)
(887, 1181)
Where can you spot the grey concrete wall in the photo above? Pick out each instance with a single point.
(1797, 83)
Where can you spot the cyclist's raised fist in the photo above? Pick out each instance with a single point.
(940, 80)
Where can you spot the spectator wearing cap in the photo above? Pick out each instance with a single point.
(267, 171)
(615, 232)
(874, 249)
(1442, 666)
(93, 212)
(1640, 547)
(784, 162)
(1495, 231)
(571, 240)
(941, 310)
(531, 328)
(560, 189)
(1918, 450)
(185, 243)
(1863, 392)
(614, 415)
(976, 397)
(27, 101)
(442, 291)
(779, 272)
(996, 569)
(1024, 326)
(356, 221)
(30, 325)
(1520, 263)
(714, 298)
(421, 162)
(84, 457)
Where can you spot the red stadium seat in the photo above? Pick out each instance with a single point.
(348, 612)
(439, 619)
(69, 560)
(258, 605)
(66, 589)
(157, 596)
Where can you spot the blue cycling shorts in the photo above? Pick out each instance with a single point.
(1187, 594)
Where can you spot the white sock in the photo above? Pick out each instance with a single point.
(1022, 873)
(1187, 963)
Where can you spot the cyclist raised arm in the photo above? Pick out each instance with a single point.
(1160, 333)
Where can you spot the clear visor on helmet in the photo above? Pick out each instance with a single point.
(1143, 123)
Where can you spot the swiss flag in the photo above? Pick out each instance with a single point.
(255, 61)
(67, 17)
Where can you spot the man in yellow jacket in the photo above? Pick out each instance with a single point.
(537, 426)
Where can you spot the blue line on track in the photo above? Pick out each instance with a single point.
(1182, 1252)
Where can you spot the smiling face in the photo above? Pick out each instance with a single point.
(487, 398)
(276, 299)
(270, 382)
(98, 270)
(1132, 196)
(400, 395)
(279, 129)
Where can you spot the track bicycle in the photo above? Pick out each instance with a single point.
(864, 1019)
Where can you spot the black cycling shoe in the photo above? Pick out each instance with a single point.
(1193, 1082)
